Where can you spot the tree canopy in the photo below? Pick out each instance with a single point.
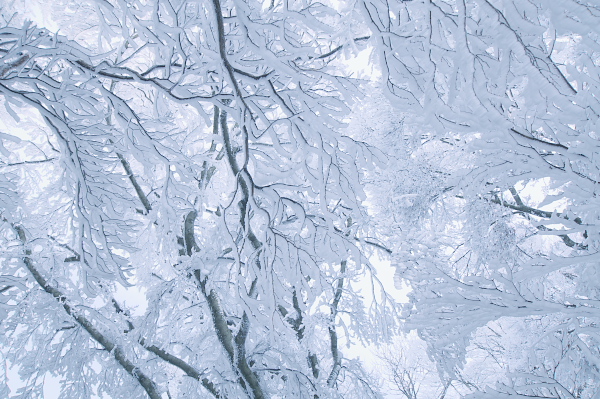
(194, 195)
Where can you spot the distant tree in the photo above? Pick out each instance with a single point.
(410, 373)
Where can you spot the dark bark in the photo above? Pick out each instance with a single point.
(138, 189)
(333, 337)
(521, 207)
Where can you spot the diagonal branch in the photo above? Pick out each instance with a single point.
(521, 207)
(111, 347)
(547, 61)
(338, 48)
(164, 355)
(181, 364)
(533, 211)
(138, 189)
(543, 142)
(6, 288)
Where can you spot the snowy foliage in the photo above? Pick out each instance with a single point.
(508, 89)
(192, 191)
